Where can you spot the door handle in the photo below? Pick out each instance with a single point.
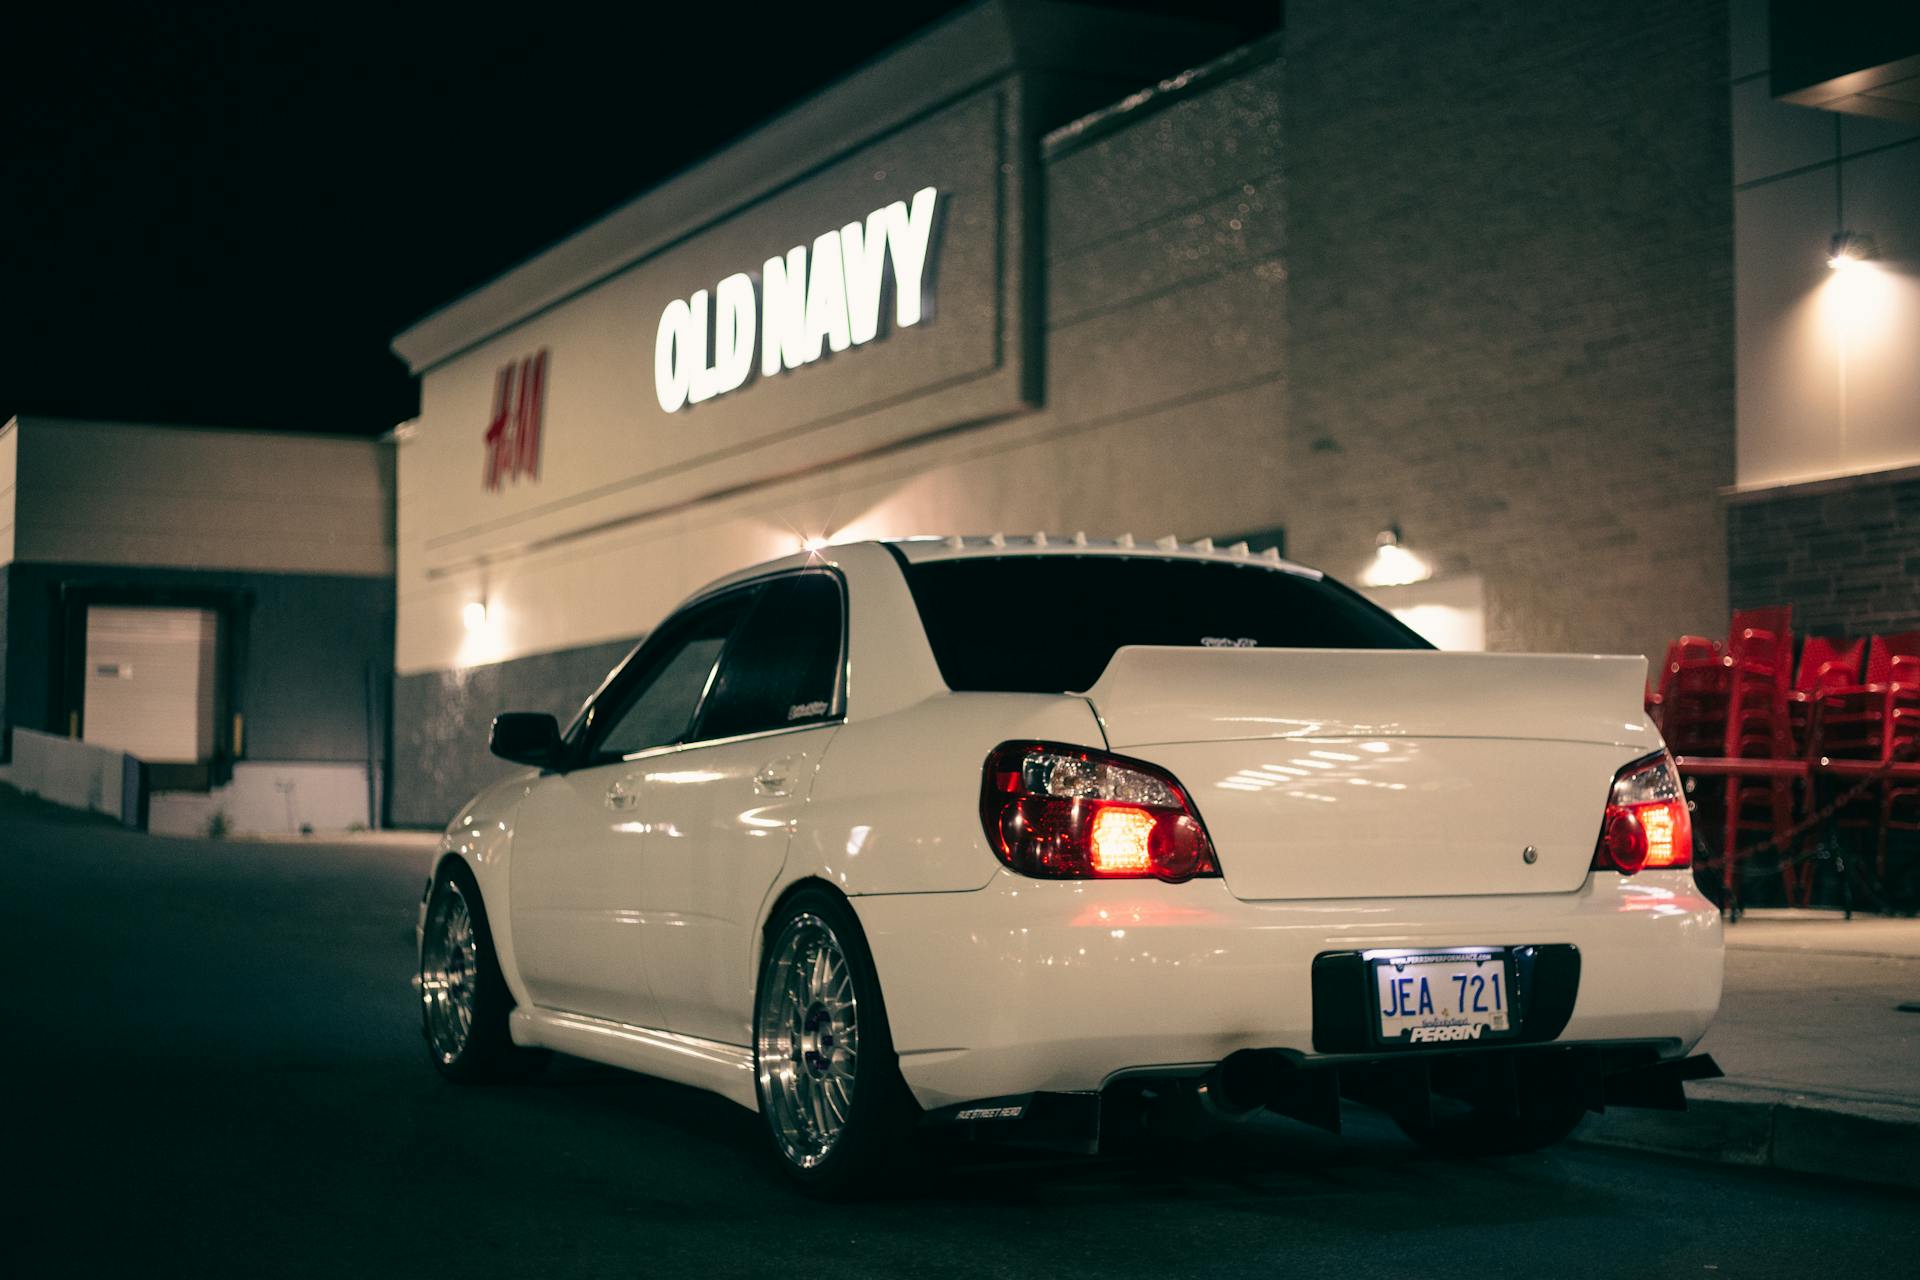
(621, 796)
(775, 775)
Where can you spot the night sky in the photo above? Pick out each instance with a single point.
(222, 214)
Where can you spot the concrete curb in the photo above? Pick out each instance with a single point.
(394, 839)
(1860, 1140)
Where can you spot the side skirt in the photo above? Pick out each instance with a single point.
(725, 1069)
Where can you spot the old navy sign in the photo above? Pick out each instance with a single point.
(827, 298)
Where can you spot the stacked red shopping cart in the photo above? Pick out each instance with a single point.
(1798, 767)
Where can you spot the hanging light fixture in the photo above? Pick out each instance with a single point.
(1392, 564)
(1849, 249)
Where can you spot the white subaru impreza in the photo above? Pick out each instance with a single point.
(1040, 839)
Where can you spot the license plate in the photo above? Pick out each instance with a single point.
(1443, 997)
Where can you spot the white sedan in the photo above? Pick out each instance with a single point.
(1036, 839)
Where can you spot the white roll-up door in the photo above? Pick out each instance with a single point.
(150, 682)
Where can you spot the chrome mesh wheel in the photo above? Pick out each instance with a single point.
(449, 974)
(807, 1039)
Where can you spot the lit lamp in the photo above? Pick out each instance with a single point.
(1848, 249)
(1393, 565)
(474, 615)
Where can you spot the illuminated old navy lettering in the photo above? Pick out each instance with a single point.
(804, 302)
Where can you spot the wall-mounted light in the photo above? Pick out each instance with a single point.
(813, 544)
(474, 615)
(1849, 249)
(1392, 564)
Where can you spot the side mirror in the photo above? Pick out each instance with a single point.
(526, 737)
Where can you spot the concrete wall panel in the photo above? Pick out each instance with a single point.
(76, 774)
(105, 493)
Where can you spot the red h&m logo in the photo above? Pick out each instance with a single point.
(513, 437)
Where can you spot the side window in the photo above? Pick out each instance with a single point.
(658, 707)
(784, 666)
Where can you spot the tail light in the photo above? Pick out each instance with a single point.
(1071, 813)
(1647, 825)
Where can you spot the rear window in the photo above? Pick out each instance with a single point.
(1050, 624)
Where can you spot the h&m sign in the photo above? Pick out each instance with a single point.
(513, 433)
(827, 298)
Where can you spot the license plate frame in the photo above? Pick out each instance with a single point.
(1445, 1026)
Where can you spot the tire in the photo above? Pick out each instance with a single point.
(464, 1001)
(837, 1115)
(1549, 1110)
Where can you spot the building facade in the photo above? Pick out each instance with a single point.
(1051, 268)
(1825, 513)
(213, 606)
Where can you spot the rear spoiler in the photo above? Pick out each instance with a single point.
(1158, 694)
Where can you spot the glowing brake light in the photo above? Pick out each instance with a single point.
(1121, 838)
(1065, 813)
(1647, 826)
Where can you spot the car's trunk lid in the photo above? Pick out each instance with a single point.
(1373, 773)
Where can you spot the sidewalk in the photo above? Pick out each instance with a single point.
(1823, 1067)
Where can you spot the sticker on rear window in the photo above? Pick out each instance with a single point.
(806, 710)
(1229, 642)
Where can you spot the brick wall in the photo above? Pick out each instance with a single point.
(1845, 554)
(1510, 264)
(441, 720)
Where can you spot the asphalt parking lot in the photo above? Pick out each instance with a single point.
(213, 1067)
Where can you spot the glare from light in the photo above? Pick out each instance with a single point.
(1393, 565)
(1859, 305)
(474, 615)
(813, 544)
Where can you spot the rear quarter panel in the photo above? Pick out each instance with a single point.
(895, 806)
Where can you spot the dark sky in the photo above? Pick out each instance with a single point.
(221, 213)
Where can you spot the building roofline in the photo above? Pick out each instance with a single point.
(121, 424)
(957, 55)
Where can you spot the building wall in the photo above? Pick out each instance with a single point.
(1829, 379)
(310, 640)
(1510, 269)
(1827, 513)
(1844, 553)
(289, 536)
(110, 493)
(9, 476)
(442, 719)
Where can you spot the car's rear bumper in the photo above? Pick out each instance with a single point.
(1032, 985)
